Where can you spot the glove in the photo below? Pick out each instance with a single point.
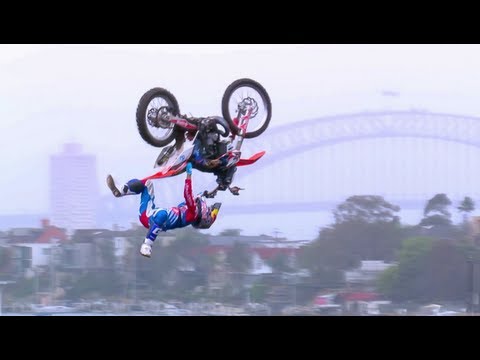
(189, 168)
(212, 163)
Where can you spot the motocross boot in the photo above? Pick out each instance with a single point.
(132, 187)
(146, 250)
(224, 178)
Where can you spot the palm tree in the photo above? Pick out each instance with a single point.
(466, 206)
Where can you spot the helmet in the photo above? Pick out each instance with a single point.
(206, 215)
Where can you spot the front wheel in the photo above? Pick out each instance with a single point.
(153, 111)
(251, 92)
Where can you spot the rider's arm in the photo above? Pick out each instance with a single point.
(187, 190)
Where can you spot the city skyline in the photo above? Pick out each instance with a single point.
(44, 104)
(73, 188)
(123, 212)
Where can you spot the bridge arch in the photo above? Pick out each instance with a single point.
(292, 139)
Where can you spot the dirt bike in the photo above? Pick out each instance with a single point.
(244, 103)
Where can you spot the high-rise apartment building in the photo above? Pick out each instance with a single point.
(73, 188)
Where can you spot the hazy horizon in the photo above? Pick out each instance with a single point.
(54, 94)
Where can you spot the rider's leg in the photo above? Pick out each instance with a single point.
(147, 202)
(156, 220)
(229, 175)
(225, 177)
(132, 187)
(151, 217)
(179, 139)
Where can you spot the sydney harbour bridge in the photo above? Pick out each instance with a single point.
(315, 164)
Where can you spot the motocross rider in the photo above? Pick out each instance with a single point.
(210, 155)
(192, 211)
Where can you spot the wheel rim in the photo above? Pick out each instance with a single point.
(247, 93)
(156, 109)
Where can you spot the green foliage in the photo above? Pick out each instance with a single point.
(388, 280)
(467, 205)
(436, 220)
(366, 208)
(445, 272)
(279, 263)
(258, 292)
(96, 283)
(189, 236)
(428, 270)
(188, 242)
(327, 278)
(439, 203)
(239, 258)
(106, 248)
(400, 282)
(325, 261)
(342, 246)
(230, 232)
(157, 270)
(436, 211)
(20, 289)
(162, 272)
(413, 249)
(5, 260)
(183, 288)
(365, 228)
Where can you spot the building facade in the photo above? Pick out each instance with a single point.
(73, 189)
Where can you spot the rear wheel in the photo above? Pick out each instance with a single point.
(153, 110)
(252, 93)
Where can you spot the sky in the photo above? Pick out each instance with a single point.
(88, 93)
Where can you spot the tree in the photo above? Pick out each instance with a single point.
(106, 249)
(445, 272)
(438, 203)
(96, 283)
(188, 249)
(22, 288)
(366, 208)
(343, 246)
(230, 232)
(466, 206)
(188, 242)
(436, 211)
(258, 292)
(401, 281)
(280, 263)
(5, 260)
(366, 228)
(163, 270)
(428, 270)
(239, 258)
